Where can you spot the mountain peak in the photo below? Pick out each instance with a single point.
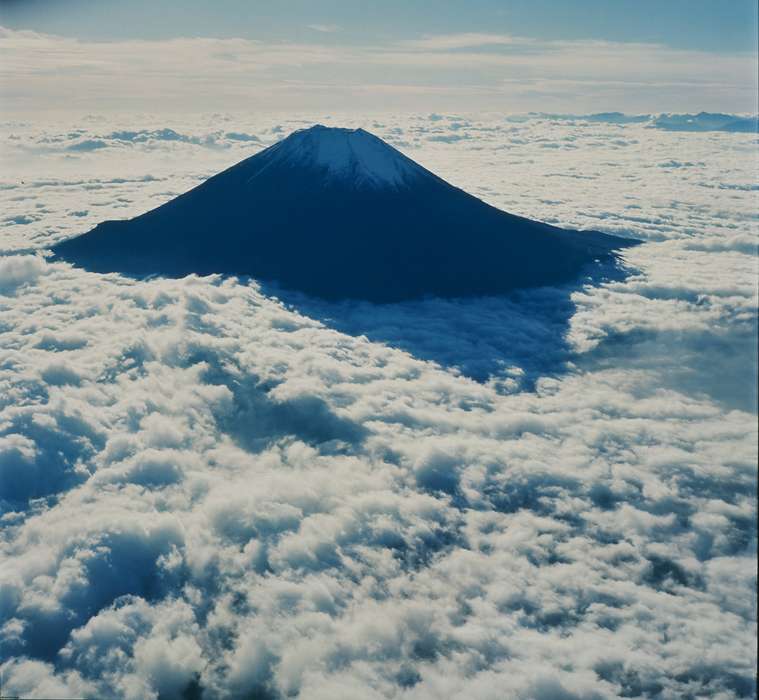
(340, 214)
(348, 154)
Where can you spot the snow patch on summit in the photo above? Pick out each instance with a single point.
(351, 154)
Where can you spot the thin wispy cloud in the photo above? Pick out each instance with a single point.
(324, 28)
(444, 42)
(46, 72)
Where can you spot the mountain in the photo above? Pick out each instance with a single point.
(338, 214)
(707, 121)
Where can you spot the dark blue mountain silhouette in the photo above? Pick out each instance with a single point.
(340, 214)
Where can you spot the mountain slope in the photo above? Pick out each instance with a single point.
(341, 214)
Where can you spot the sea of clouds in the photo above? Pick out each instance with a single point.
(210, 488)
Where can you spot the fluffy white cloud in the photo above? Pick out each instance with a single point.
(208, 490)
(18, 270)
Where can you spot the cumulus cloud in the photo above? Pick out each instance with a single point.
(17, 270)
(211, 492)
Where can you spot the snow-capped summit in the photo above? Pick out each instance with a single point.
(354, 155)
(339, 213)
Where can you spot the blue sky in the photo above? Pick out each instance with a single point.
(482, 55)
(714, 25)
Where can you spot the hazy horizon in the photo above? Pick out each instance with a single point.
(515, 57)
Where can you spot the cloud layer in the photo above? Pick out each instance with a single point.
(211, 492)
(42, 72)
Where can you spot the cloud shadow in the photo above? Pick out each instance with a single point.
(516, 338)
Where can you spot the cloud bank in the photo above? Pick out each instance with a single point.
(211, 492)
(43, 72)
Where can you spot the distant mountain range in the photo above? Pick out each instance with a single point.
(703, 121)
(339, 214)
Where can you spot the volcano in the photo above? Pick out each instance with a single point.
(340, 214)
